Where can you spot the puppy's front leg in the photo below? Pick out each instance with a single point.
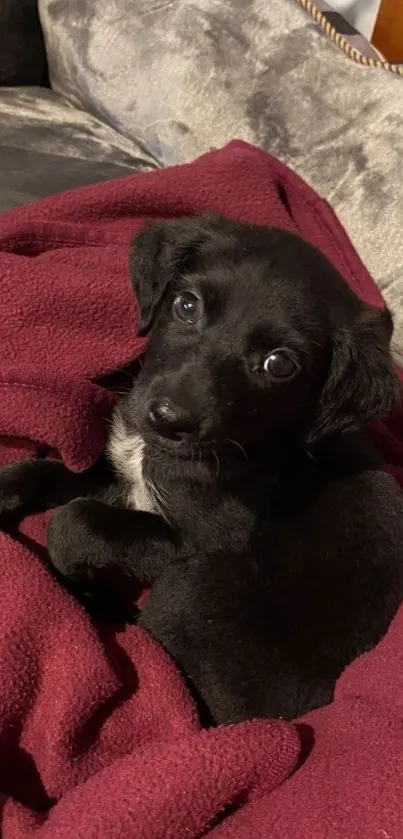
(93, 545)
(33, 486)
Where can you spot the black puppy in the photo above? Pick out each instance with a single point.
(268, 528)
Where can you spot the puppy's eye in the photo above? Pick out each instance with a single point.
(281, 364)
(187, 307)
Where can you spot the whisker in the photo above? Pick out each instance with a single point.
(215, 455)
(123, 391)
(160, 501)
(238, 446)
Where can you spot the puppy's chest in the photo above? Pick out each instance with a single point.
(126, 452)
(207, 516)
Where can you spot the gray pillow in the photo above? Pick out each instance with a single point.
(22, 51)
(183, 76)
(47, 146)
(188, 75)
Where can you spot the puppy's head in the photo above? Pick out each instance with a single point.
(251, 331)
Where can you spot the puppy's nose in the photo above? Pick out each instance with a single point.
(171, 421)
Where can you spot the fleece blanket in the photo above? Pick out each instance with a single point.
(98, 734)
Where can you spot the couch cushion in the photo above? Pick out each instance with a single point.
(47, 146)
(185, 77)
(22, 51)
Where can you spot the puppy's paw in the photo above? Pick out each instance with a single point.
(83, 564)
(13, 492)
(67, 543)
(77, 547)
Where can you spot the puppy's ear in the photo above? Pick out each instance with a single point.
(361, 386)
(160, 254)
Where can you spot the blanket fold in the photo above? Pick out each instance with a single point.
(98, 733)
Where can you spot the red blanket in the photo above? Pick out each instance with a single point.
(98, 735)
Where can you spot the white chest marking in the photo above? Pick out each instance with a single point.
(126, 452)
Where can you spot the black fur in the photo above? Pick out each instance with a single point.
(275, 558)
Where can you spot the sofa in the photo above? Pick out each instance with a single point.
(93, 91)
